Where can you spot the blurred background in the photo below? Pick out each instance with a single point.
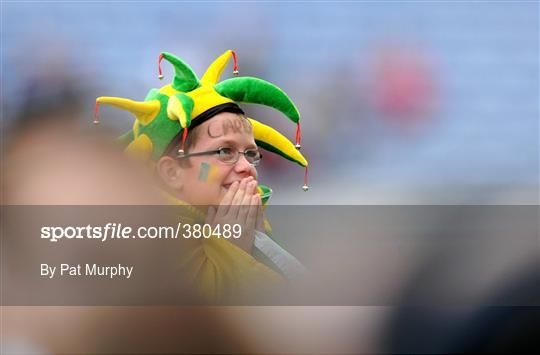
(402, 102)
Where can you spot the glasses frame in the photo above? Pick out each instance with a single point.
(216, 151)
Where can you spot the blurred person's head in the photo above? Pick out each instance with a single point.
(213, 159)
(55, 162)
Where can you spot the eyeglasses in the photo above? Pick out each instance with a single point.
(229, 155)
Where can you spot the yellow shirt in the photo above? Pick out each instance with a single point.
(220, 271)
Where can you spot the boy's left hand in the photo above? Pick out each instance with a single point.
(241, 205)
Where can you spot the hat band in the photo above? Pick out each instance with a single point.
(200, 119)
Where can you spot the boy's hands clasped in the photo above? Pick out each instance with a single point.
(241, 205)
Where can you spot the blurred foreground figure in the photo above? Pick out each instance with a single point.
(52, 163)
(58, 164)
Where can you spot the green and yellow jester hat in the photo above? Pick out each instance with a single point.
(174, 107)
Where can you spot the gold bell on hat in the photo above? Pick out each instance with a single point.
(182, 145)
(298, 135)
(96, 114)
(305, 187)
(235, 64)
(160, 73)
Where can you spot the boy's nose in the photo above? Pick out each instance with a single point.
(242, 166)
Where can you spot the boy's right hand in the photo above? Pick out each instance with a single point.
(240, 205)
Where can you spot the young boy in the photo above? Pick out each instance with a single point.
(232, 156)
(205, 152)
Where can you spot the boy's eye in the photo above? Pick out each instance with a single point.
(225, 152)
(252, 154)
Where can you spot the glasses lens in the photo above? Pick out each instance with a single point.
(226, 155)
(253, 156)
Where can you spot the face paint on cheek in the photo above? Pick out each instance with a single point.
(208, 172)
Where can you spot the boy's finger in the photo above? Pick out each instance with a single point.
(246, 202)
(227, 199)
(253, 212)
(250, 189)
(210, 214)
(237, 199)
(260, 216)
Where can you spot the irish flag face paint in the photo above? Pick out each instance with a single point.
(208, 172)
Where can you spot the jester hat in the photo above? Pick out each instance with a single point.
(173, 108)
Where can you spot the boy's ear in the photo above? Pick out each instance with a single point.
(170, 172)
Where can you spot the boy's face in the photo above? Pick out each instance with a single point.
(206, 179)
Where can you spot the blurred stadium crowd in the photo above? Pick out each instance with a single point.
(402, 102)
